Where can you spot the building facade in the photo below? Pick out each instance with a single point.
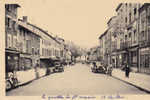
(28, 44)
(128, 16)
(102, 46)
(130, 37)
(144, 38)
(11, 31)
(112, 31)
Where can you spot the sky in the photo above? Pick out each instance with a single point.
(80, 21)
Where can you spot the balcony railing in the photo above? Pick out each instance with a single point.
(114, 46)
(124, 45)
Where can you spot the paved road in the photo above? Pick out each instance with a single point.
(77, 79)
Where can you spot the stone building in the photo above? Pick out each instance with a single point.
(112, 31)
(28, 44)
(11, 31)
(128, 15)
(131, 37)
(144, 38)
(102, 46)
(121, 31)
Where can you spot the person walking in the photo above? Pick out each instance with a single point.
(36, 69)
(109, 70)
(127, 70)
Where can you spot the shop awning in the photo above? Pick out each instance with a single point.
(52, 58)
(11, 51)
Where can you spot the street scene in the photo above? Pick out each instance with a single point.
(76, 79)
(70, 48)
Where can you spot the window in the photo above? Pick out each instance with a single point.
(9, 40)
(32, 50)
(125, 37)
(8, 57)
(134, 35)
(135, 11)
(126, 20)
(149, 20)
(15, 58)
(130, 17)
(147, 61)
(9, 8)
(15, 42)
(42, 52)
(143, 33)
(130, 35)
(13, 25)
(8, 23)
(50, 52)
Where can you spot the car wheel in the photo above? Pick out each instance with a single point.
(15, 81)
(8, 85)
(53, 70)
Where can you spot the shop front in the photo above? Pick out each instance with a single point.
(133, 58)
(121, 58)
(12, 64)
(25, 62)
(144, 60)
(114, 59)
(12, 60)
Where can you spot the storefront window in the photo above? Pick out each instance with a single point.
(142, 61)
(8, 57)
(33, 51)
(147, 61)
(15, 58)
(145, 58)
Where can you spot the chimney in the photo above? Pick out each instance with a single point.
(25, 19)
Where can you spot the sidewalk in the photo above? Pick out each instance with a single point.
(25, 76)
(29, 75)
(139, 80)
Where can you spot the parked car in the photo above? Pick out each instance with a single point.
(50, 69)
(11, 80)
(98, 68)
(72, 63)
(58, 67)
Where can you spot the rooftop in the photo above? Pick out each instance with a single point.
(118, 6)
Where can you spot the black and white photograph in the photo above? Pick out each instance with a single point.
(77, 47)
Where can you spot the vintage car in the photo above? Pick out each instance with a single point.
(11, 81)
(58, 66)
(97, 67)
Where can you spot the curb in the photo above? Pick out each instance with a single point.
(140, 88)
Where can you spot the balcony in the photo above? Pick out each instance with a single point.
(125, 45)
(144, 41)
(19, 46)
(114, 46)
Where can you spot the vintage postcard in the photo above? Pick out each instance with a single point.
(75, 50)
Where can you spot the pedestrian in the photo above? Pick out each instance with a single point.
(109, 69)
(36, 70)
(127, 70)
